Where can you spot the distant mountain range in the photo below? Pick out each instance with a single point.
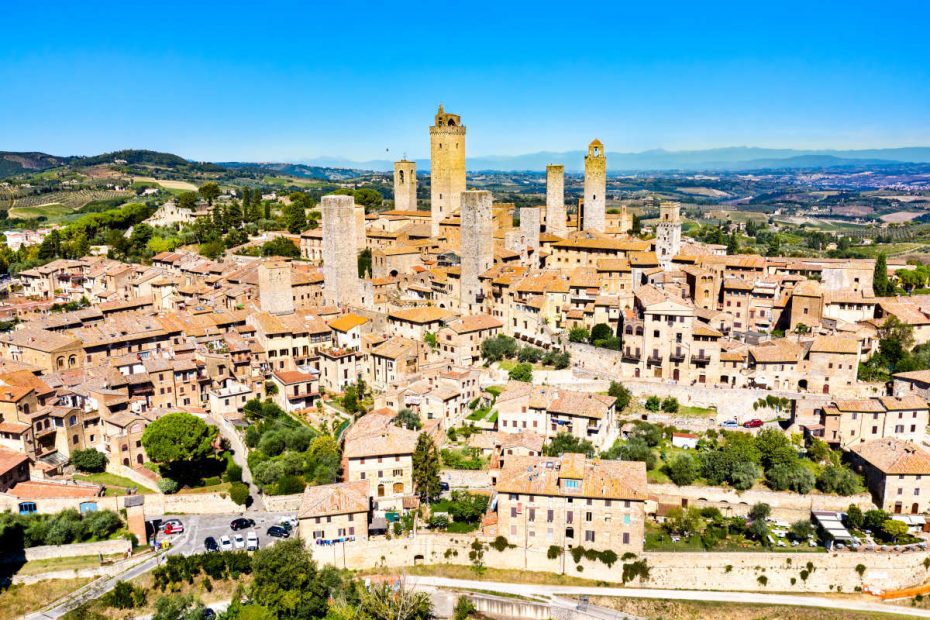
(721, 159)
(729, 159)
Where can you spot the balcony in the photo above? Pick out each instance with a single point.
(654, 358)
(700, 358)
(677, 356)
(631, 356)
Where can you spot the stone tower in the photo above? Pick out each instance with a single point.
(340, 251)
(595, 188)
(477, 252)
(529, 234)
(447, 166)
(275, 289)
(405, 185)
(668, 233)
(555, 200)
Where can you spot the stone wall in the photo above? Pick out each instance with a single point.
(685, 571)
(44, 552)
(786, 506)
(155, 504)
(282, 503)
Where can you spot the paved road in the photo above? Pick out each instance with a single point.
(753, 598)
(196, 529)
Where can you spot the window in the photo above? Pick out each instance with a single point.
(571, 484)
(27, 508)
(513, 511)
(588, 516)
(589, 536)
(627, 519)
(626, 538)
(532, 514)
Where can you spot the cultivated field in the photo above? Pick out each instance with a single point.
(56, 204)
(181, 185)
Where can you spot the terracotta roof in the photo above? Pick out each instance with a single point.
(835, 344)
(11, 459)
(420, 315)
(893, 456)
(625, 480)
(922, 376)
(334, 499)
(347, 322)
(776, 351)
(585, 404)
(36, 489)
(376, 434)
(903, 403)
(474, 323)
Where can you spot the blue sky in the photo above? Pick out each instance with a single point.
(287, 81)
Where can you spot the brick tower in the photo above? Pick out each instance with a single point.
(447, 166)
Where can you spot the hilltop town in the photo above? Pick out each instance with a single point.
(561, 386)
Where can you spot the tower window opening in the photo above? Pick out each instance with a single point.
(451, 123)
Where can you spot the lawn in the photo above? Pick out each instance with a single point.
(687, 610)
(36, 567)
(223, 487)
(697, 412)
(456, 571)
(17, 601)
(50, 211)
(116, 485)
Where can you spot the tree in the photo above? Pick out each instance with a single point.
(873, 519)
(801, 530)
(385, 602)
(633, 449)
(775, 448)
(239, 493)
(732, 244)
(684, 521)
(579, 333)
(51, 246)
(743, 475)
(790, 477)
(499, 347)
(280, 246)
(209, 192)
(369, 198)
(178, 437)
(89, 460)
(653, 403)
(426, 469)
(880, 283)
(407, 418)
(178, 607)
(683, 470)
(286, 581)
(854, 517)
(600, 332)
(521, 372)
(621, 394)
(839, 480)
(464, 609)
(295, 216)
(760, 511)
(893, 530)
(188, 200)
(476, 555)
(566, 442)
(670, 404)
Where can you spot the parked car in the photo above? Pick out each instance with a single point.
(241, 524)
(225, 543)
(276, 531)
(208, 614)
(753, 423)
(172, 526)
(251, 541)
(289, 522)
(443, 486)
(286, 525)
(238, 541)
(729, 424)
(209, 544)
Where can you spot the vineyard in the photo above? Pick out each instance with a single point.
(60, 203)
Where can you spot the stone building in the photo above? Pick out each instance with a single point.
(447, 167)
(275, 291)
(897, 474)
(595, 188)
(477, 253)
(555, 200)
(851, 422)
(340, 255)
(380, 454)
(405, 185)
(668, 233)
(332, 513)
(529, 235)
(572, 501)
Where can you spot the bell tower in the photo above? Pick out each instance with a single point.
(447, 166)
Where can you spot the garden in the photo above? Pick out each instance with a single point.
(460, 513)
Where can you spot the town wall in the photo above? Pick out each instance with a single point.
(45, 552)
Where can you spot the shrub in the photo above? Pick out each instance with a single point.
(89, 460)
(762, 579)
(289, 485)
(239, 493)
(670, 405)
(124, 595)
(860, 569)
(167, 486)
(653, 403)
(530, 354)
(521, 372)
(577, 553)
(638, 569)
(555, 551)
(579, 333)
(233, 473)
(790, 477)
(839, 480)
(438, 522)
(683, 470)
(500, 543)
(609, 557)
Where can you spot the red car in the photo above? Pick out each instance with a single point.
(754, 423)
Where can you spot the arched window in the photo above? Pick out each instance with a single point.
(400, 175)
(61, 362)
(398, 487)
(72, 361)
(380, 490)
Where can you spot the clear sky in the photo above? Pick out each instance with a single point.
(285, 81)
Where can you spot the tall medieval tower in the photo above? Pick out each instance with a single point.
(477, 252)
(405, 185)
(447, 166)
(595, 188)
(668, 233)
(555, 200)
(275, 288)
(341, 286)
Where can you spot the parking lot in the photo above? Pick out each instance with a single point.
(198, 527)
